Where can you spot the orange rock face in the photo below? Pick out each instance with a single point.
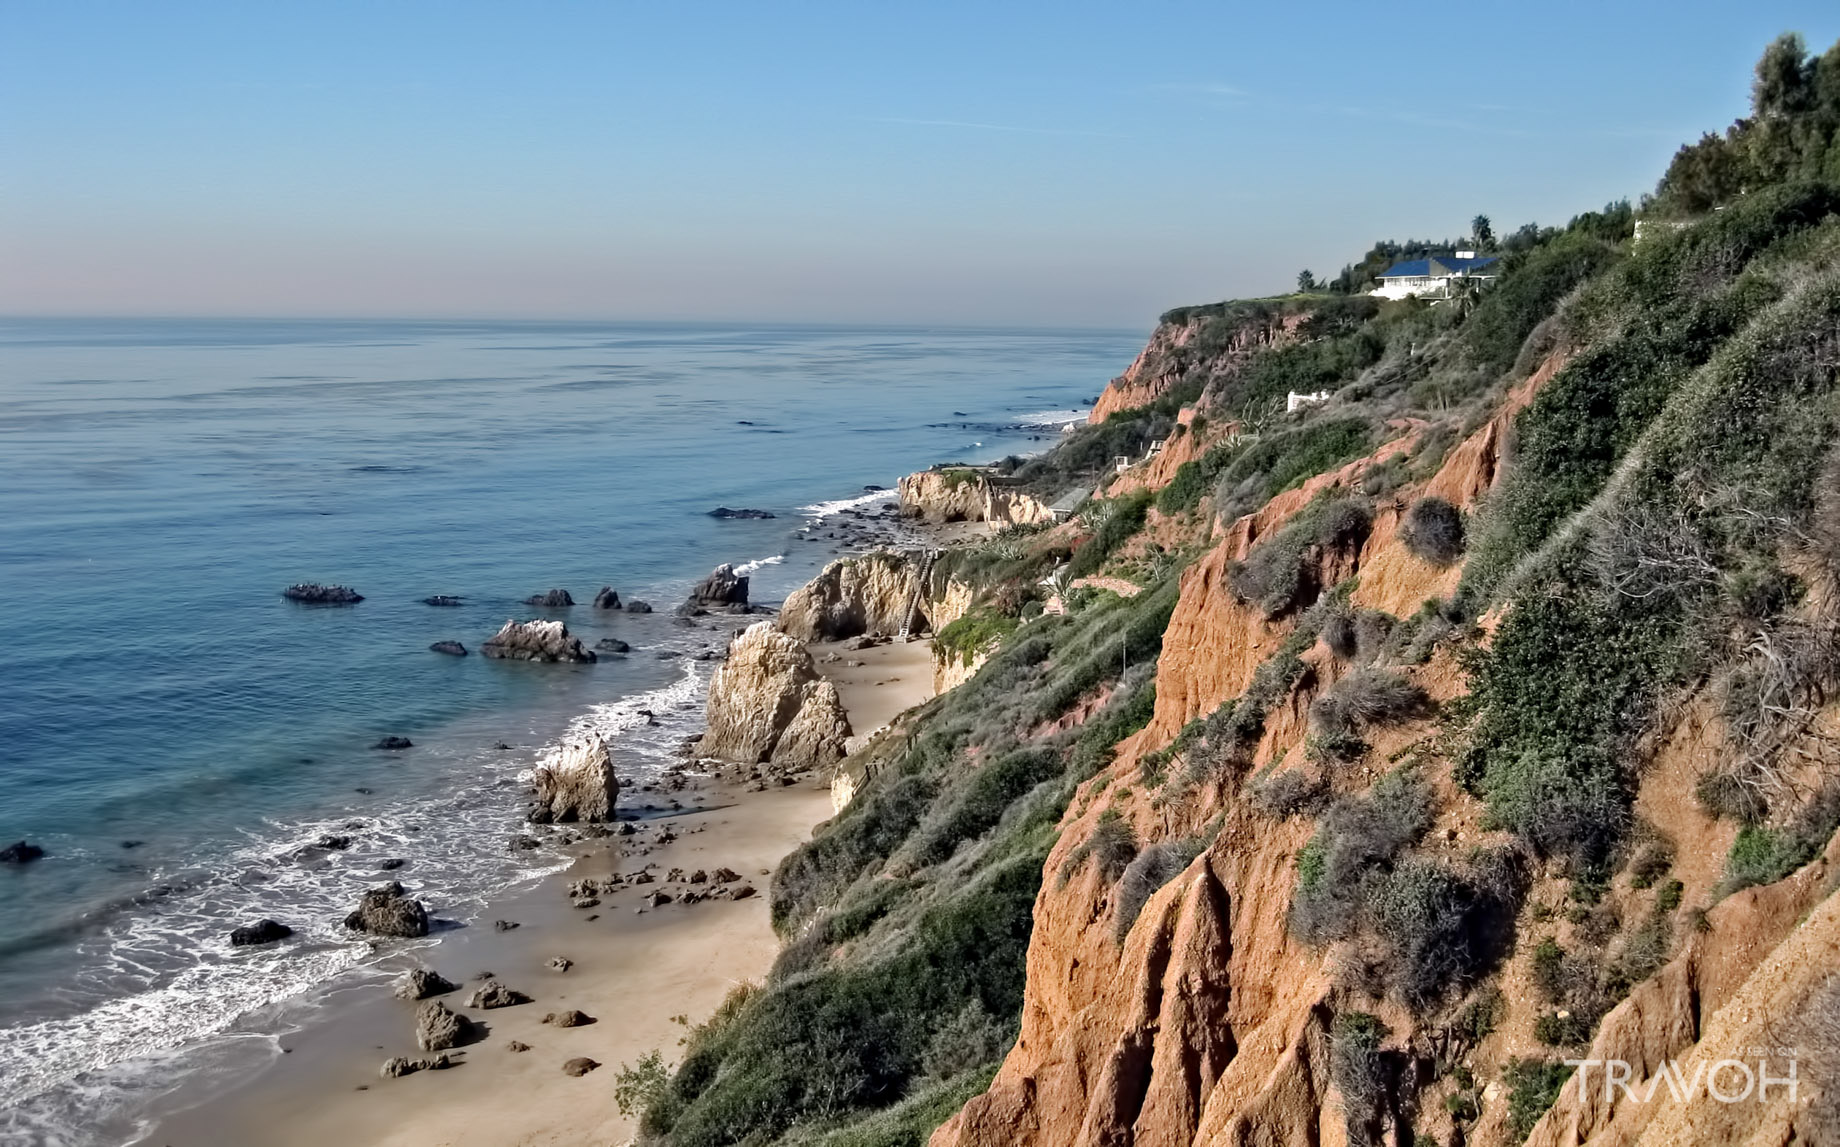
(1166, 360)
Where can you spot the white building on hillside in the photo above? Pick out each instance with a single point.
(1434, 276)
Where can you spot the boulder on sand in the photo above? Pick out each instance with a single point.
(577, 783)
(310, 594)
(421, 983)
(606, 598)
(573, 1018)
(261, 932)
(388, 911)
(579, 1066)
(451, 648)
(535, 641)
(722, 587)
(493, 994)
(550, 599)
(438, 1027)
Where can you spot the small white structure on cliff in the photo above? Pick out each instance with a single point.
(1433, 276)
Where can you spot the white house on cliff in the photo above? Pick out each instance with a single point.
(1434, 276)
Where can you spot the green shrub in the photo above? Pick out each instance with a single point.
(1433, 530)
(1126, 517)
(1668, 898)
(1353, 849)
(1280, 575)
(1275, 462)
(971, 1039)
(1651, 863)
(982, 801)
(974, 633)
(1362, 1072)
(1286, 794)
(1556, 1030)
(1112, 846)
(1364, 698)
(1534, 1086)
(1148, 871)
(1763, 855)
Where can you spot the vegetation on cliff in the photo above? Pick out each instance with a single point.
(1430, 642)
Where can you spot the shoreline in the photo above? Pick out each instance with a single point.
(634, 968)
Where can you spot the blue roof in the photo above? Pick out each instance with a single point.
(1437, 265)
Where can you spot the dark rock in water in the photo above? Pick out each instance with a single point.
(390, 863)
(438, 1027)
(606, 598)
(394, 742)
(500, 746)
(742, 422)
(261, 932)
(22, 853)
(443, 600)
(132, 843)
(573, 1018)
(579, 1066)
(612, 645)
(873, 489)
(493, 994)
(422, 983)
(637, 606)
(550, 599)
(335, 843)
(722, 587)
(535, 641)
(387, 911)
(525, 843)
(505, 925)
(322, 594)
(452, 648)
(725, 512)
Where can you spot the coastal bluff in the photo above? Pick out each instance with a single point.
(866, 595)
(964, 494)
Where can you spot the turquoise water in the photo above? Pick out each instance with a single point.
(173, 732)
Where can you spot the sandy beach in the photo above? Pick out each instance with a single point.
(635, 970)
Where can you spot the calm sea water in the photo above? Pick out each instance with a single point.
(176, 735)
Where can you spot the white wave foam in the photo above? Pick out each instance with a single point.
(829, 509)
(1052, 417)
(158, 994)
(757, 563)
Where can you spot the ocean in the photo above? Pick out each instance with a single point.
(178, 737)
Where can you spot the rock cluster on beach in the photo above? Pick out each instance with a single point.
(536, 641)
(767, 703)
(389, 911)
(577, 783)
(322, 594)
(421, 983)
(438, 1027)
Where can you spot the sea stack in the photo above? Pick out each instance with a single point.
(535, 641)
(577, 783)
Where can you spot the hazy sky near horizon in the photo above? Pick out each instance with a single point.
(1066, 164)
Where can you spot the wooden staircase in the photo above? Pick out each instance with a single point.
(913, 598)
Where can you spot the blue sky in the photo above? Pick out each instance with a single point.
(1065, 164)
